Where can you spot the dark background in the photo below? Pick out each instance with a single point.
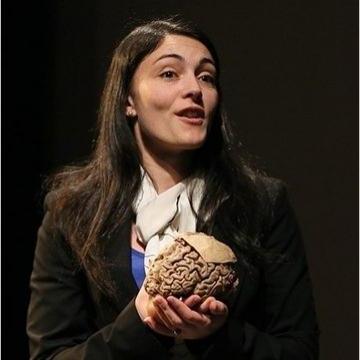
(290, 74)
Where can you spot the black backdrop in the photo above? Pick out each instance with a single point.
(290, 71)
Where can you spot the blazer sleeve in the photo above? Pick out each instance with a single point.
(289, 329)
(59, 323)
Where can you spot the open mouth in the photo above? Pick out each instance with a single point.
(192, 115)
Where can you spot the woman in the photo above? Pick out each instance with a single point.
(165, 160)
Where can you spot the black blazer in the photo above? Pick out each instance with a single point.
(273, 316)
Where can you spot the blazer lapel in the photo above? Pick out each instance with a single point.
(118, 256)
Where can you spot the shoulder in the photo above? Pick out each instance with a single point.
(51, 230)
(269, 189)
(49, 201)
(50, 220)
(274, 201)
(57, 209)
(52, 246)
(280, 225)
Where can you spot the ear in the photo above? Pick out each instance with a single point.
(130, 107)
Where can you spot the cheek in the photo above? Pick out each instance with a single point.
(155, 98)
(212, 102)
(214, 99)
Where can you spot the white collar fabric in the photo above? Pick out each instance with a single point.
(159, 217)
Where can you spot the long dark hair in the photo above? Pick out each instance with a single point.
(93, 199)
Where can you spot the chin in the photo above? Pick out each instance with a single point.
(193, 145)
(194, 141)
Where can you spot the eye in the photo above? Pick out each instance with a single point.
(208, 78)
(168, 74)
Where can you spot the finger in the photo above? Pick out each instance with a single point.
(171, 317)
(160, 317)
(192, 301)
(205, 306)
(153, 311)
(157, 327)
(218, 308)
(189, 316)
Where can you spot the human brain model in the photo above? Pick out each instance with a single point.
(194, 264)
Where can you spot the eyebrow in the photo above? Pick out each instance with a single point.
(204, 60)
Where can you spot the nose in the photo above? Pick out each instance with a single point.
(193, 89)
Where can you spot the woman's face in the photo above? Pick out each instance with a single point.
(174, 96)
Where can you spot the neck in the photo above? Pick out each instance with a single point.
(165, 169)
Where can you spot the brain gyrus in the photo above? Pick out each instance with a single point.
(180, 271)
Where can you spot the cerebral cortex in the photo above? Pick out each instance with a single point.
(180, 271)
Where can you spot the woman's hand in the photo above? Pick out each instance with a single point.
(144, 304)
(147, 310)
(187, 319)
